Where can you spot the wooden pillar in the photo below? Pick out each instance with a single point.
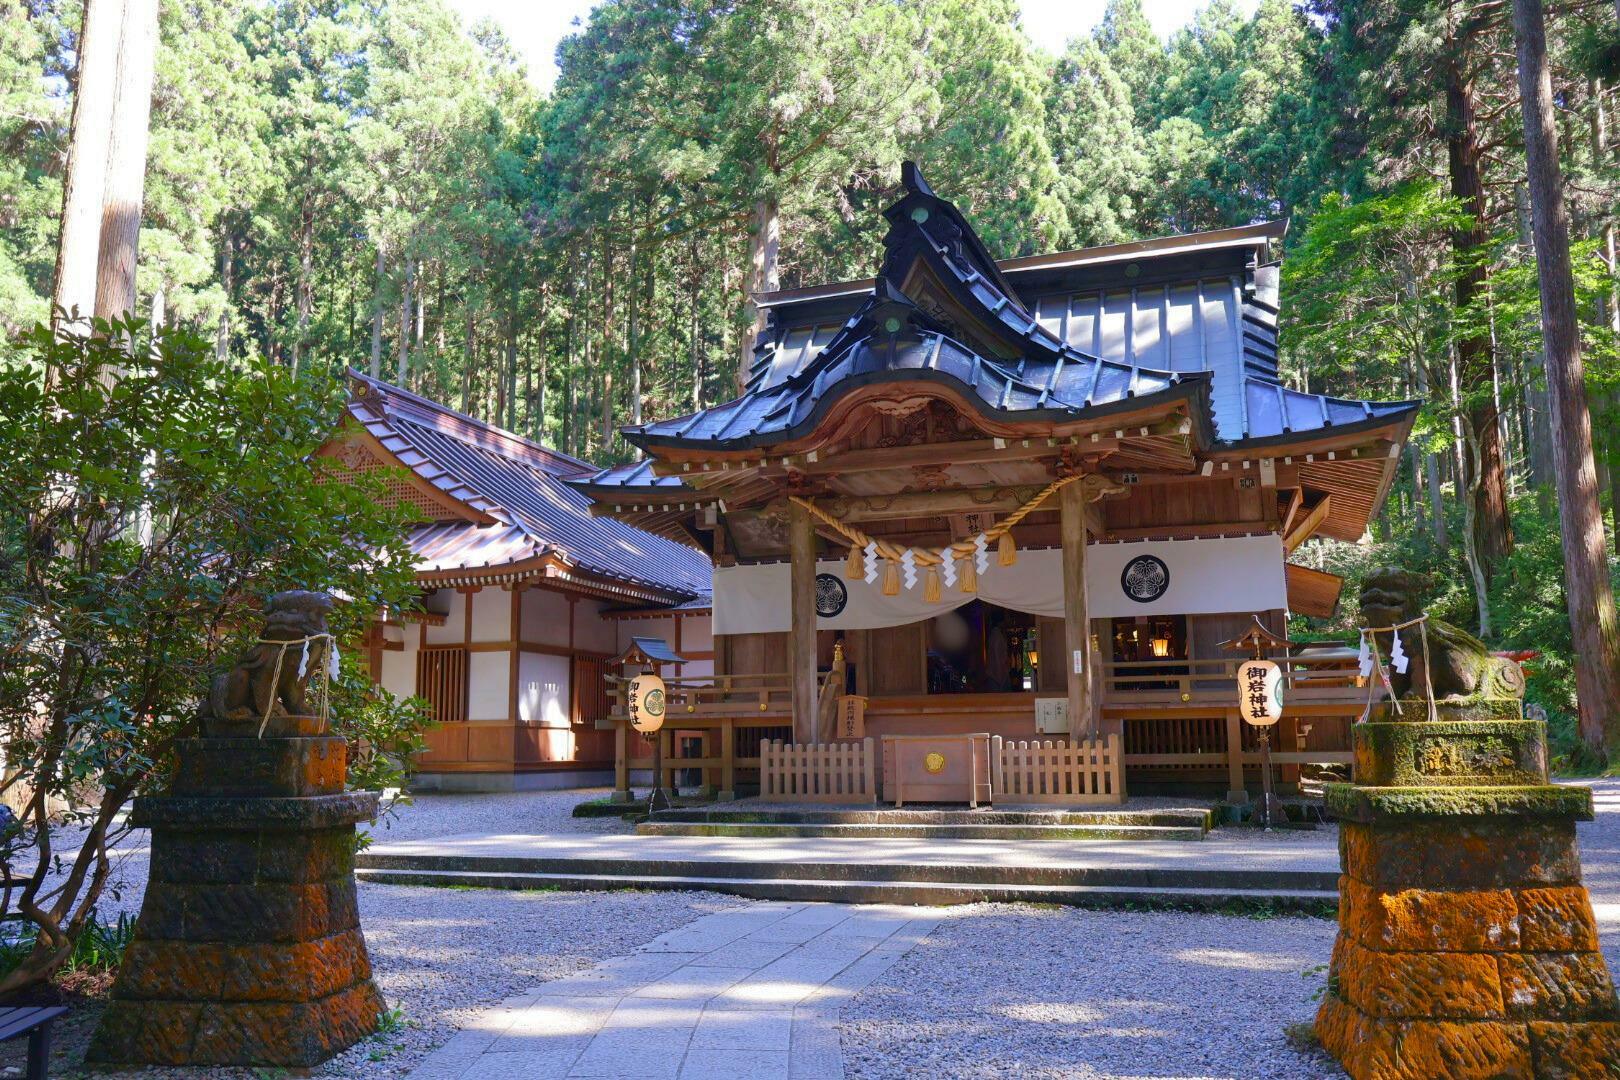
(802, 640)
(621, 761)
(1236, 793)
(1076, 623)
(728, 761)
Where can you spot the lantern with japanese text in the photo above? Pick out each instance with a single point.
(647, 703)
(1260, 685)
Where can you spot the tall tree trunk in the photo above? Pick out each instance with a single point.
(1493, 537)
(74, 287)
(377, 312)
(1431, 468)
(470, 357)
(125, 187)
(1592, 616)
(1611, 302)
(692, 331)
(635, 334)
(764, 275)
(306, 276)
(227, 280)
(404, 348)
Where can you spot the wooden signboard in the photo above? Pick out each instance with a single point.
(851, 717)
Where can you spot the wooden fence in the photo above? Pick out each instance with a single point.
(836, 772)
(1083, 772)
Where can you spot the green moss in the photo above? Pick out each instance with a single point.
(1354, 802)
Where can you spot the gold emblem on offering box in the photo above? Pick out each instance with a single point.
(934, 763)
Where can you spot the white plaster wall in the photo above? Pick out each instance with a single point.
(663, 629)
(593, 633)
(492, 615)
(488, 685)
(545, 617)
(455, 605)
(698, 669)
(543, 690)
(695, 635)
(399, 668)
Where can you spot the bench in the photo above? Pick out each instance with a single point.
(35, 1022)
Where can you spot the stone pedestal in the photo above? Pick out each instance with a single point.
(1466, 945)
(248, 950)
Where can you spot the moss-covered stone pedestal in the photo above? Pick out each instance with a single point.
(1466, 945)
(248, 950)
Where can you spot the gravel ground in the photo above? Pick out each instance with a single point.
(1013, 990)
(432, 815)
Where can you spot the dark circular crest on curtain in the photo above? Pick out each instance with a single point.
(831, 595)
(1145, 578)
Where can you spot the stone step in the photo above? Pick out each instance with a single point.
(1192, 816)
(879, 891)
(660, 827)
(964, 873)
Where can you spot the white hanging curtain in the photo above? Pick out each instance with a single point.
(1181, 577)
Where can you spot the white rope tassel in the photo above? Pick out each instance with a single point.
(870, 560)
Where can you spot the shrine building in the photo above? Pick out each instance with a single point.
(1027, 499)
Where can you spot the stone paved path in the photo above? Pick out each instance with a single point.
(751, 994)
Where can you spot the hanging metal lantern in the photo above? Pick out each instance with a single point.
(1260, 692)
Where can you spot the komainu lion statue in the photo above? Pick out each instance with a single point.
(258, 686)
(1458, 662)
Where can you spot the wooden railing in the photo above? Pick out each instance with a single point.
(1305, 678)
(713, 695)
(835, 772)
(1088, 771)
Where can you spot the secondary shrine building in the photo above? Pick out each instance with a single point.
(1026, 498)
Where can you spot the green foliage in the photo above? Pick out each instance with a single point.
(99, 948)
(156, 495)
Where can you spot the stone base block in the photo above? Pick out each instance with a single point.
(296, 1034)
(1382, 1048)
(1451, 753)
(245, 767)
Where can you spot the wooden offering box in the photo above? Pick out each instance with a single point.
(937, 768)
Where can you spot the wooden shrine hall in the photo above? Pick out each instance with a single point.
(971, 507)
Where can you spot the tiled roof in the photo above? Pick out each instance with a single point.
(1062, 385)
(1217, 349)
(521, 487)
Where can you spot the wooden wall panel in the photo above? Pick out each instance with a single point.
(898, 663)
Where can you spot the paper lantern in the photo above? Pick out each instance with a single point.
(648, 699)
(1260, 699)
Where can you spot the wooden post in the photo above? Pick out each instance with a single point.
(728, 761)
(621, 761)
(1076, 624)
(1236, 793)
(802, 640)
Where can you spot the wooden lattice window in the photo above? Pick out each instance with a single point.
(441, 678)
(590, 689)
(355, 459)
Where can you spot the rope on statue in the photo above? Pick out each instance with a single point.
(326, 673)
(939, 565)
(1369, 661)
